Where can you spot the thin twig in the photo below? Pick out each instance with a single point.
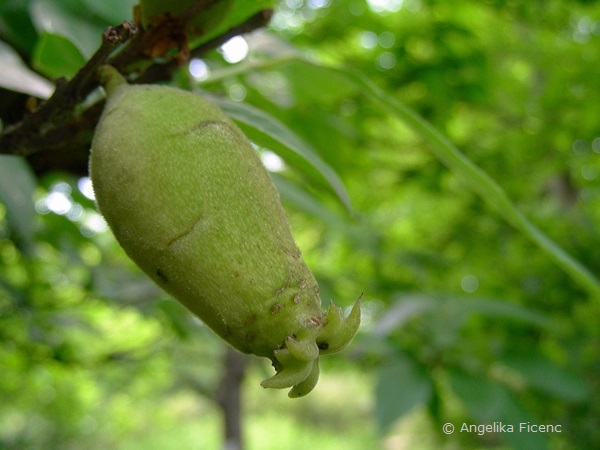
(138, 47)
(55, 138)
(258, 20)
(161, 72)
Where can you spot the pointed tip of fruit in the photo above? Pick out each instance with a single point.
(309, 383)
(297, 363)
(303, 349)
(338, 331)
(289, 376)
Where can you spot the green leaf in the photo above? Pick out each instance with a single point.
(176, 316)
(16, 26)
(476, 178)
(403, 385)
(70, 19)
(197, 26)
(17, 184)
(485, 400)
(57, 57)
(313, 83)
(545, 376)
(265, 130)
(488, 402)
(502, 309)
(112, 11)
(16, 76)
(306, 202)
(240, 11)
(457, 309)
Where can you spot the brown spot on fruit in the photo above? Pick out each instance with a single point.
(162, 276)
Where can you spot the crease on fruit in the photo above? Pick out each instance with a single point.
(187, 231)
(296, 363)
(199, 126)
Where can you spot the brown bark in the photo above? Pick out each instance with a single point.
(57, 136)
(229, 398)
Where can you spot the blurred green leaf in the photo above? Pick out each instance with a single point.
(112, 11)
(408, 306)
(56, 56)
(17, 185)
(488, 402)
(70, 19)
(267, 131)
(303, 201)
(238, 13)
(402, 386)
(478, 180)
(311, 82)
(177, 317)
(501, 309)
(16, 26)
(548, 377)
(16, 76)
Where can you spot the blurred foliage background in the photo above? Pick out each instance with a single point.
(466, 321)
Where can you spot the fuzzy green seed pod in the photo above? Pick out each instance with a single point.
(189, 200)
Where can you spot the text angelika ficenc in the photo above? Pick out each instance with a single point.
(499, 427)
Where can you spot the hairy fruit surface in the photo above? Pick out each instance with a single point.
(189, 200)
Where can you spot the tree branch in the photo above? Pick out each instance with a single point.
(229, 397)
(161, 72)
(57, 136)
(18, 139)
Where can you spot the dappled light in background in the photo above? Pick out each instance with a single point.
(469, 283)
(59, 200)
(199, 69)
(235, 49)
(385, 6)
(272, 161)
(85, 187)
(237, 92)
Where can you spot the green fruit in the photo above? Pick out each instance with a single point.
(189, 200)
